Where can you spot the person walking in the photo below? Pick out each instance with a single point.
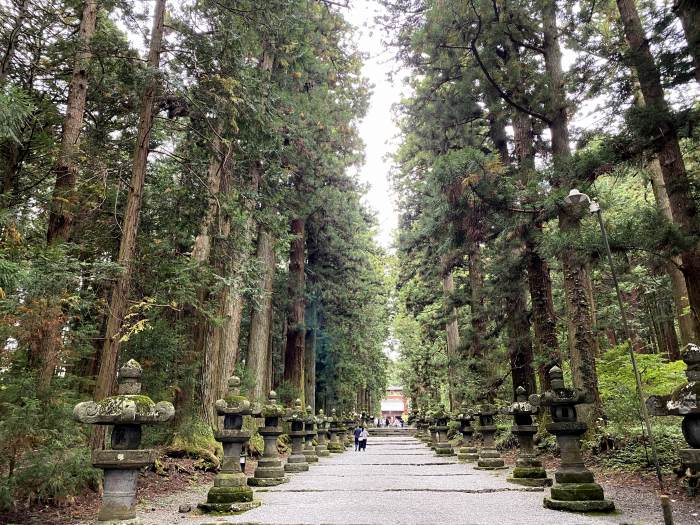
(363, 439)
(356, 433)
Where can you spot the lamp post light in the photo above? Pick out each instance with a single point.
(576, 198)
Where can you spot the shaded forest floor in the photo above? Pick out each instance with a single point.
(638, 489)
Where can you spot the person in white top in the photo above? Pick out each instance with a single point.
(363, 439)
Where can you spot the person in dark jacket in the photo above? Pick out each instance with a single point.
(356, 433)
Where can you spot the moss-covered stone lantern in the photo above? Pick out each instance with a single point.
(322, 432)
(528, 469)
(334, 445)
(443, 446)
(127, 412)
(467, 453)
(231, 493)
(685, 403)
(296, 462)
(574, 489)
(270, 471)
(489, 457)
(310, 433)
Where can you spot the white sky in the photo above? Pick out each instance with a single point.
(377, 130)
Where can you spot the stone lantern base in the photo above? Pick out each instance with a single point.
(576, 491)
(230, 494)
(310, 454)
(322, 451)
(444, 449)
(268, 473)
(490, 459)
(467, 454)
(530, 473)
(336, 448)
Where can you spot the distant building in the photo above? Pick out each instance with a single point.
(394, 403)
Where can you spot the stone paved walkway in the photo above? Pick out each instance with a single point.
(398, 480)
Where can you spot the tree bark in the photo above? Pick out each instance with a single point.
(9, 54)
(476, 283)
(127, 248)
(294, 353)
(686, 321)
(311, 321)
(689, 13)
(678, 186)
(453, 341)
(63, 201)
(259, 338)
(583, 346)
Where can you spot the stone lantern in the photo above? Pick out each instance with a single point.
(230, 493)
(127, 412)
(489, 457)
(467, 452)
(322, 431)
(443, 446)
(310, 434)
(270, 471)
(685, 403)
(349, 424)
(575, 489)
(528, 469)
(296, 462)
(334, 445)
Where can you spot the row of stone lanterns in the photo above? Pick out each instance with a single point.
(129, 410)
(574, 488)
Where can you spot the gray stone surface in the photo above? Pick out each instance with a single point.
(386, 486)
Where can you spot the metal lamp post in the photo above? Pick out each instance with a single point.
(576, 198)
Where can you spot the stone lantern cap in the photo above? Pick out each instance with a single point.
(128, 407)
(521, 405)
(272, 408)
(465, 413)
(560, 395)
(321, 419)
(685, 400)
(296, 413)
(233, 402)
(486, 410)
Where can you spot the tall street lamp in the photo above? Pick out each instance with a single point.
(575, 199)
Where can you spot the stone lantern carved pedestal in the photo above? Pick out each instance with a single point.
(528, 469)
(685, 402)
(574, 489)
(348, 425)
(127, 412)
(489, 457)
(296, 462)
(468, 452)
(270, 471)
(442, 447)
(231, 493)
(322, 432)
(310, 433)
(334, 445)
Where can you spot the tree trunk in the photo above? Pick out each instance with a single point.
(519, 339)
(63, 201)
(12, 41)
(260, 319)
(583, 346)
(453, 341)
(476, 283)
(678, 187)
(294, 353)
(686, 321)
(127, 248)
(689, 13)
(310, 356)
(544, 319)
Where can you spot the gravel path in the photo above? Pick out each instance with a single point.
(398, 481)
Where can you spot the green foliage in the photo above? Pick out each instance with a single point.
(617, 384)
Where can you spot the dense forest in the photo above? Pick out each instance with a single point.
(512, 105)
(178, 185)
(176, 188)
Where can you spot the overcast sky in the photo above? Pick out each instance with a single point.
(377, 129)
